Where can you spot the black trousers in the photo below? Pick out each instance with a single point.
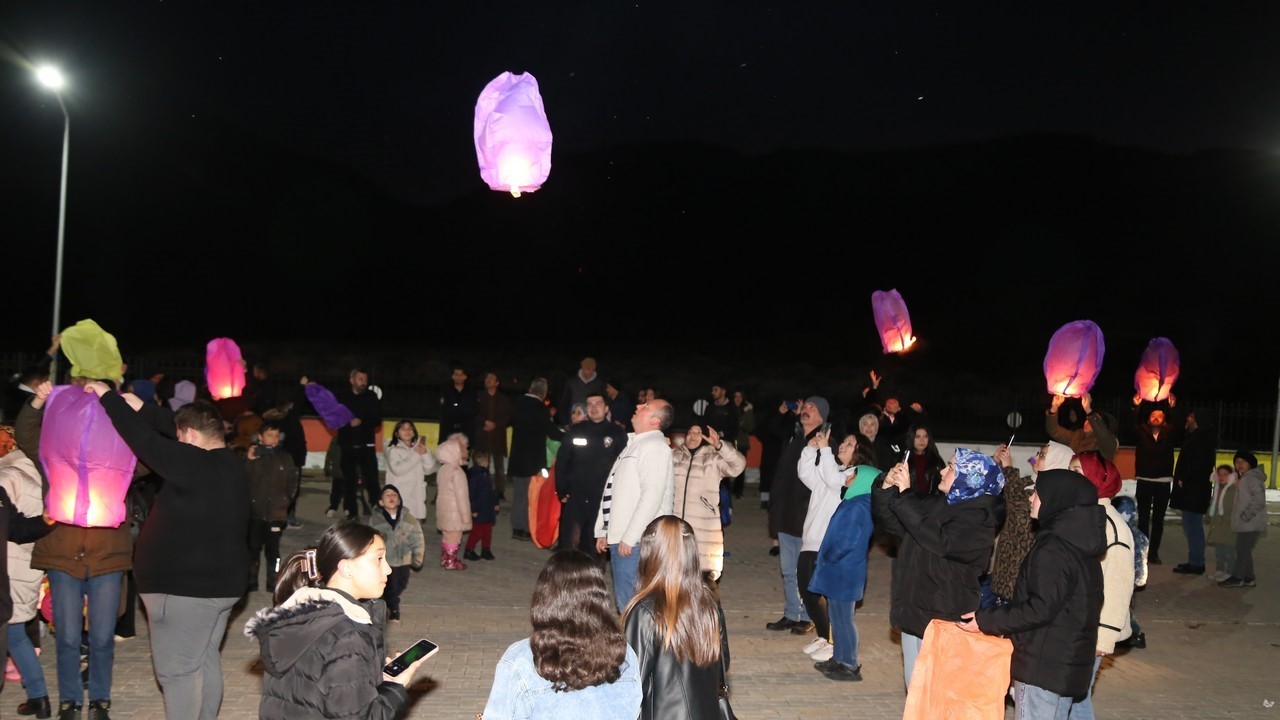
(578, 524)
(814, 604)
(264, 534)
(397, 581)
(359, 464)
(1153, 500)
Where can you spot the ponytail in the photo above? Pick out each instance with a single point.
(299, 571)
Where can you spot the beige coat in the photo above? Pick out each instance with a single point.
(697, 498)
(1117, 581)
(453, 497)
(19, 477)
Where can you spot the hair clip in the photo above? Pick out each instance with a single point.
(309, 563)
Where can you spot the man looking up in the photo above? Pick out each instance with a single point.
(788, 503)
(641, 486)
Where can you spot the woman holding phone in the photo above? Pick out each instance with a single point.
(408, 465)
(576, 664)
(323, 649)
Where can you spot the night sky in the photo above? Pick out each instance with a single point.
(159, 92)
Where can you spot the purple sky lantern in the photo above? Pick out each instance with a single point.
(1157, 371)
(513, 137)
(333, 413)
(88, 464)
(1074, 358)
(892, 321)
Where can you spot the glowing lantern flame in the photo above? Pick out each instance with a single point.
(892, 321)
(223, 368)
(88, 465)
(1157, 371)
(1074, 358)
(512, 135)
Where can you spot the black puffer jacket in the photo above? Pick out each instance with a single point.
(945, 550)
(673, 690)
(1053, 615)
(323, 653)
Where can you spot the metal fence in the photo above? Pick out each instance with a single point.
(977, 416)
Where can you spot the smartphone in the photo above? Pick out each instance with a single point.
(825, 429)
(906, 456)
(424, 648)
(793, 406)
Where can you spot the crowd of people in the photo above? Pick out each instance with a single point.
(626, 614)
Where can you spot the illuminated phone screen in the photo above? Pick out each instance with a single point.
(417, 652)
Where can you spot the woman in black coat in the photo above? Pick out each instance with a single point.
(1052, 618)
(946, 543)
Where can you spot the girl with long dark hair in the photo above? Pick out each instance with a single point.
(676, 627)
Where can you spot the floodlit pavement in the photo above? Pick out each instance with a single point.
(1211, 652)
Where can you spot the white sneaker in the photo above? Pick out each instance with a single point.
(818, 645)
(824, 653)
(330, 513)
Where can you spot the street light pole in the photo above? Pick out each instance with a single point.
(52, 79)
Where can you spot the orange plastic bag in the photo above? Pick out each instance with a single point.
(958, 675)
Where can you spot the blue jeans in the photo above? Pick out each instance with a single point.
(843, 631)
(626, 572)
(68, 594)
(26, 660)
(1034, 703)
(910, 650)
(1083, 710)
(789, 556)
(1193, 527)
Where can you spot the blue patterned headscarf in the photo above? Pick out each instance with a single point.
(976, 474)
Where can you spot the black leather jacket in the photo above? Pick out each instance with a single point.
(673, 690)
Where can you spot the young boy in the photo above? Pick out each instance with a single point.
(1220, 535)
(405, 545)
(273, 480)
(484, 508)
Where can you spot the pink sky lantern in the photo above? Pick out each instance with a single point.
(513, 137)
(1074, 359)
(1157, 371)
(88, 464)
(892, 321)
(223, 368)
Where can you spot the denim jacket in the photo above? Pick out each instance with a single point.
(520, 693)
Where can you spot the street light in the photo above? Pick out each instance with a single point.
(52, 79)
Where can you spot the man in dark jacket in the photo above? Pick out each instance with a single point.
(788, 504)
(1193, 485)
(192, 559)
(531, 425)
(1155, 439)
(458, 407)
(1052, 618)
(358, 440)
(583, 463)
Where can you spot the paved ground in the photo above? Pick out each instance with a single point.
(1212, 653)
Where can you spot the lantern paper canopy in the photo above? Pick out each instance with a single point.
(892, 321)
(223, 368)
(333, 413)
(184, 393)
(1074, 359)
(513, 138)
(1157, 371)
(87, 463)
(92, 351)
